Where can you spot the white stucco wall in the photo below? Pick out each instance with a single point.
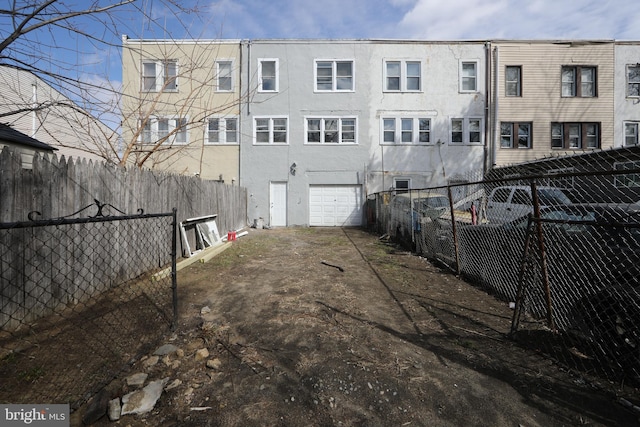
(626, 109)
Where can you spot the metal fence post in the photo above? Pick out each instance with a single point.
(174, 272)
(454, 231)
(543, 255)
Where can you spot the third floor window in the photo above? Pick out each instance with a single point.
(402, 76)
(334, 76)
(579, 82)
(159, 75)
(633, 81)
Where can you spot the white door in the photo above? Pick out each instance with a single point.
(335, 205)
(278, 204)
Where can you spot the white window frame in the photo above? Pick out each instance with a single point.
(633, 81)
(633, 136)
(222, 130)
(160, 78)
(322, 130)
(401, 190)
(154, 130)
(218, 74)
(398, 130)
(466, 130)
(404, 77)
(276, 77)
(513, 88)
(334, 76)
(629, 180)
(464, 78)
(270, 130)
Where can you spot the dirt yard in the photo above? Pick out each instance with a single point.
(334, 327)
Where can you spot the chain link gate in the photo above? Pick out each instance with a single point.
(81, 299)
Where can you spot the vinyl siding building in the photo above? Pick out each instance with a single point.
(551, 98)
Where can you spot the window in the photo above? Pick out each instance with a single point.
(466, 131)
(270, 130)
(401, 185)
(633, 81)
(331, 130)
(630, 134)
(515, 135)
(164, 130)
(406, 130)
(268, 75)
(513, 80)
(403, 76)
(468, 76)
(159, 76)
(570, 136)
(221, 130)
(628, 179)
(334, 76)
(579, 81)
(224, 74)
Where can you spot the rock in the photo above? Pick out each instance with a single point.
(205, 310)
(202, 354)
(180, 352)
(143, 401)
(214, 363)
(136, 380)
(96, 408)
(165, 350)
(151, 361)
(114, 409)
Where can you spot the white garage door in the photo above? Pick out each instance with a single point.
(335, 205)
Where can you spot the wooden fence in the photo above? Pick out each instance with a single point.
(59, 187)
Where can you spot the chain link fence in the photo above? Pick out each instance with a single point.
(81, 299)
(561, 248)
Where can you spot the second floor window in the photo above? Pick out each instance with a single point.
(268, 75)
(513, 80)
(570, 136)
(579, 81)
(406, 130)
(222, 130)
(270, 130)
(224, 74)
(633, 81)
(334, 76)
(331, 130)
(402, 76)
(164, 130)
(160, 75)
(515, 135)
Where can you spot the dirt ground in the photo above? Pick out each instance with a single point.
(386, 339)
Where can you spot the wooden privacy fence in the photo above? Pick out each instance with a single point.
(56, 187)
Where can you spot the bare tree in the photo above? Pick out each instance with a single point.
(90, 104)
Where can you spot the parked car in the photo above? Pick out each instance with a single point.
(585, 248)
(507, 203)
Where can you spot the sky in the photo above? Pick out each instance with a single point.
(442, 20)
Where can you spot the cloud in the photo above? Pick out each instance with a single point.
(515, 19)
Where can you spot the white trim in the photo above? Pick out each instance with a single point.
(270, 130)
(159, 75)
(277, 75)
(403, 75)
(415, 140)
(217, 63)
(155, 130)
(334, 76)
(321, 130)
(466, 131)
(461, 76)
(222, 131)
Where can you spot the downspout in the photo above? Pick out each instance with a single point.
(248, 76)
(34, 115)
(487, 107)
(495, 107)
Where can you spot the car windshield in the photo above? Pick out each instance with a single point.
(552, 196)
(432, 202)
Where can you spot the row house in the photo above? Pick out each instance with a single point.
(311, 127)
